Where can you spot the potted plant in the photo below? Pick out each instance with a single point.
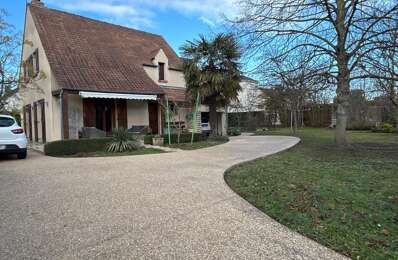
(157, 140)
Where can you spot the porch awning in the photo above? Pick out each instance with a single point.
(86, 94)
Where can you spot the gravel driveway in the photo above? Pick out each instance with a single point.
(164, 206)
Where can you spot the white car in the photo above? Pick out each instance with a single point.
(206, 128)
(12, 137)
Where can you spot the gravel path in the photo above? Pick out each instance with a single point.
(164, 206)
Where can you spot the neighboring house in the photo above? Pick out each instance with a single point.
(249, 97)
(249, 111)
(95, 74)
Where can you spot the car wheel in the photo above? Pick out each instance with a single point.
(22, 155)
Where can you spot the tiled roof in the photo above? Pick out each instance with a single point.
(86, 54)
(176, 94)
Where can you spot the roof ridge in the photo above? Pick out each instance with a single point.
(95, 20)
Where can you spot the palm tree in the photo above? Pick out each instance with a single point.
(212, 70)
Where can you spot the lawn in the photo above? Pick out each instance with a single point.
(346, 199)
(199, 145)
(106, 154)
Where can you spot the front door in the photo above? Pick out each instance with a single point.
(42, 120)
(36, 122)
(153, 117)
(121, 106)
(28, 121)
(103, 114)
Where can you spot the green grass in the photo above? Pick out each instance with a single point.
(198, 145)
(346, 199)
(106, 154)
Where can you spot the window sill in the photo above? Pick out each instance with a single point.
(163, 81)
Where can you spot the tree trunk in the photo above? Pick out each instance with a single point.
(294, 122)
(213, 115)
(291, 121)
(226, 119)
(343, 78)
(396, 119)
(395, 111)
(343, 95)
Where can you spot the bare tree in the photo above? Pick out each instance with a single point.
(295, 81)
(382, 66)
(12, 79)
(339, 32)
(9, 57)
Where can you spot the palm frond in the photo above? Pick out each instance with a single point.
(211, 67)
(122, 141)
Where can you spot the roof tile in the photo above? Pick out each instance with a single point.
(86, 54)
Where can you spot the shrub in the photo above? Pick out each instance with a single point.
(359, 127)
(122, 141)
(184, 138)
(71, 147)
(233, 131)
(262, 131)
(218, 138)
(148, 139)
(384, 128)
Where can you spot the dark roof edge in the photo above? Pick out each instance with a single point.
(176, 69)
(172, 87)
(155, 66)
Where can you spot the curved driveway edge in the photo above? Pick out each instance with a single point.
(173, 206)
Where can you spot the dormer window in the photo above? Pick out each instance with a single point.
(161, 71)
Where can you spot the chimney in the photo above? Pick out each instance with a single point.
(37, 3)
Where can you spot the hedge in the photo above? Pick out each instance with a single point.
(384, 128)
(71, 147)
(184, 138)
(234, 131)
(218, 138)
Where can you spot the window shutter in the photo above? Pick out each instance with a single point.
(30, 66)
(25, 72)
(161, 71)
(37, 65)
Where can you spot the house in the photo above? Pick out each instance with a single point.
(249, 97)
(249, 111)
(84, 73)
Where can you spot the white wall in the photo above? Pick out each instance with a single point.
(248, 98)
(173, 78)
(75, 115)
(42, 87)
(137, 113)
(182, 114)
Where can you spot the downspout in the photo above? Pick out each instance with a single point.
(61, 95)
